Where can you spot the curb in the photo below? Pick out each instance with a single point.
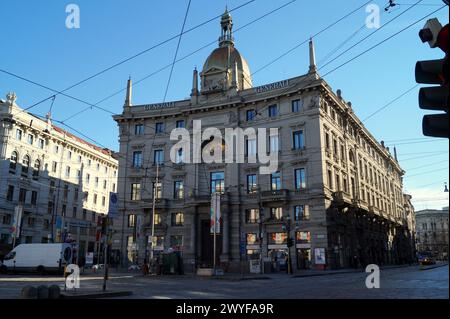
(96, 295)
(433, 267)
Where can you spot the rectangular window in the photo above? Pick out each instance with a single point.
(179, 156)
(301, 212)
(218, 182)
(250, 147)
(105, 184)
(56, 149)
(159, 128)
(136, 191)
(103, 201)
(177, 219)
(96, 182)
(252, 216)
(178, 190)
(273, 110)
(137, 159)
(41, 144)
(277, 238)
(158, 219)
(180, 124)
(139, 129)
(303, 237)
(157, 190)
(10, 194)
(22, 195)
(327, 141)
(158, 157)
(85, 214)
(252, 239)
(276, 213)
(300, 179)
(250, 115)
(131, 220)
(6, 219)
(30, 139)
(64, 210)
(251, 184)
(88, 178)
(298, 140)
(67, 171)
(18, 134)
(274, 144)
(275, 181)
(95, 199)
(34, 196)
(69, 155)
(330, 179)
(76, 194)
(74, 212)
(297, 106)
(338, 182)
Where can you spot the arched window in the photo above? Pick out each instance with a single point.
(13, 161)
(25, 164)
(36, 168)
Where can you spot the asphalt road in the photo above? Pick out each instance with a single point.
(406, 282)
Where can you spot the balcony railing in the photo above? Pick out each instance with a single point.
(275, 195)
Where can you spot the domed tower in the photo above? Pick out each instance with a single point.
(225, 68)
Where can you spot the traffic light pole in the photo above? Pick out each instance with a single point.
(105, 253)
(153, 213)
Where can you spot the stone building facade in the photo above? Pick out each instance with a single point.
(60, 182)
(337, 193)
(432, 232)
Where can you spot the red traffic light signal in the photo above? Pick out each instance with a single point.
(434, 72)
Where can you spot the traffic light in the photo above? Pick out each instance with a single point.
(434, 72)
(290, 242)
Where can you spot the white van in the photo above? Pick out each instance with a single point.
(38, 257)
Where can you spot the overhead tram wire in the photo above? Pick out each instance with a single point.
(355, 57)
(390, 103)
(181, 59)
(146, 50)
(176, 51)
(372, 33)
(371, 48)
(376, 45)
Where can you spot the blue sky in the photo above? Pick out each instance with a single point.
(37, 45)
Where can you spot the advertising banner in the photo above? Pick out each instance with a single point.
(319, 256)
(215, 211)
(17, 223)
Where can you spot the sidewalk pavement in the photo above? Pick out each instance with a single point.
(267, 276)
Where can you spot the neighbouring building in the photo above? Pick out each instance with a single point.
(337, 193)
(60, 182)
(432, 232)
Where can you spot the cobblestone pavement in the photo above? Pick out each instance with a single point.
(406, 282)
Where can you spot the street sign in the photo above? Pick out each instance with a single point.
(113, 205)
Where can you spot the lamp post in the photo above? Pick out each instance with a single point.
(289, 242)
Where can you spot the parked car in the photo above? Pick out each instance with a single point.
(426, 259)
(38, 257)
(134, 267)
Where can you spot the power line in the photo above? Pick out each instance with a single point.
(390, 103)
(176, 50)
(371, 34)
(181, 59)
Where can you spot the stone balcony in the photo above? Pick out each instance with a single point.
(281, 195)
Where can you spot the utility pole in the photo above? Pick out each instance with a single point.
(260, 235)
(153, 212)
(105, 250)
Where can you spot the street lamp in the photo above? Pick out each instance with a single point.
(290, 242)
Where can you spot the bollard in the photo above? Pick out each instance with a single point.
(42, 292)
(29, 292)
(54, 292)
